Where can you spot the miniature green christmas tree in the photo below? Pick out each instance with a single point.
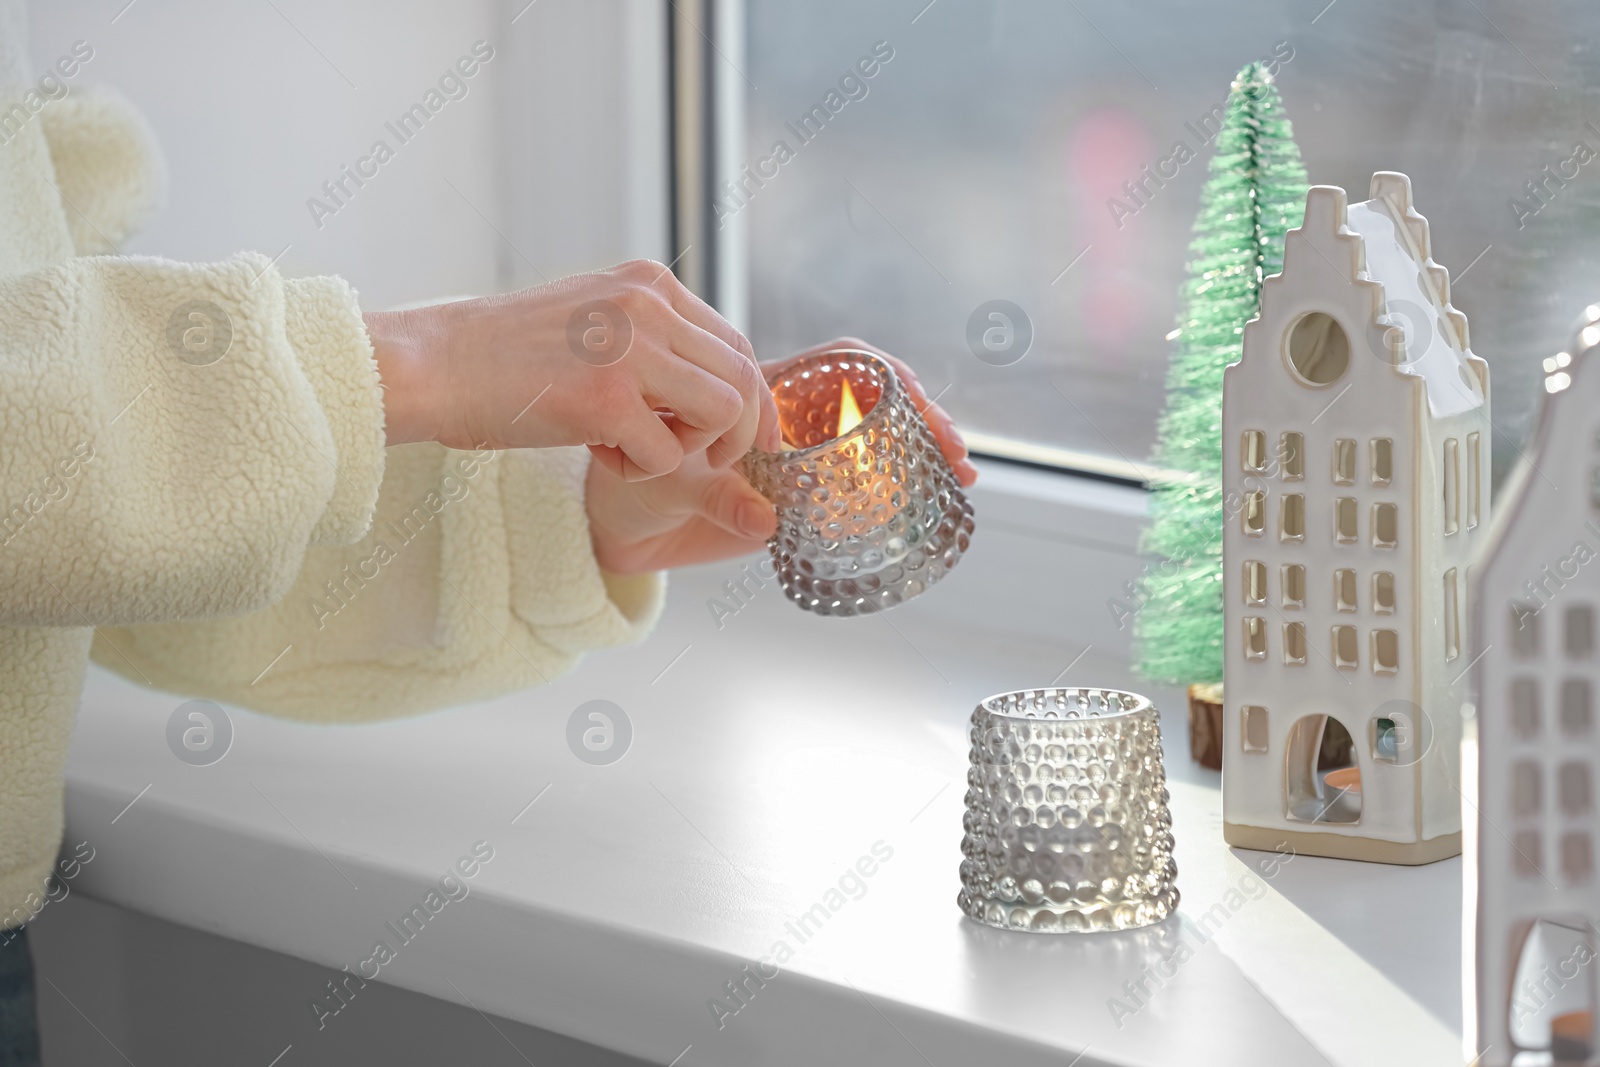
(1255, 191)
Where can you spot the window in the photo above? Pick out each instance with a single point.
(1317, 789)
(1254, 731)
(1383, 593)
(1385, 525)
(1386, 651)
(1385, 741)
(1344, 461)
(1293, 517)
(1255, 582)
(1317, 348)
(1078, 210)
(1344, 648)
(1254, 515)
(1344, 590)
(1576, 861)
(1525, 708)
(1382, 461)
(1294, 644)
(1253, 451)
(1580, 631)
(1255, 638)
(1474, 482)
(1573, 787)
(1344, 519)
(1526, 855)
(1577, 707)
(1452, 616)
(1452, 486)
(1525, 789)
(1292, 450)
(1294, 585)
(1524, 631)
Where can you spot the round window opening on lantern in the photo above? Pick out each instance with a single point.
(1319, 351)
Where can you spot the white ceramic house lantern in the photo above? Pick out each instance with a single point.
(1356, 486)
(1531, 870)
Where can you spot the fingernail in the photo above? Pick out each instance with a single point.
(755, 520)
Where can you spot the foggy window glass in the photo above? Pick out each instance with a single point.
(976, 164)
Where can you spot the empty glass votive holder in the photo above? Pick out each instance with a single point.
(1066, 826)
(869, 512)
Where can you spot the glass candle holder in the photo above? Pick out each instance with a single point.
(1066, 826)
(869, 512)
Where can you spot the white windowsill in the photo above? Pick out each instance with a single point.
(768, 756)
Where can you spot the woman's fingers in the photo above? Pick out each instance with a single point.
(646, 445)
(763, 423)
(726, 499)
(704, 407)
(706, 373)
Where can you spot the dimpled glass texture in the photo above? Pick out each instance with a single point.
(866, 520)
(1067, 827)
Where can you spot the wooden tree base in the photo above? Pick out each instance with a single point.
(1205, 724)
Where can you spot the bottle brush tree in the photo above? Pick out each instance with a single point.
(1255, 191)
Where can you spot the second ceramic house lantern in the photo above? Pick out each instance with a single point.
(1356, 485)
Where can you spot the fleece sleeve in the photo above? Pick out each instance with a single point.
(477, 577)
(173, 437)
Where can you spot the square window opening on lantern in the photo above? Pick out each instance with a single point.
(1577, 857)
(1524, 629)
(1293, 517)
(1292, 453)
(1255, 637)
(1293, 577)
(1385, 740)
(1383, 598)
(1253, 451)
(1294, 644)
(1386, 651)
(1254, 514)
(1474, 482)
(1577, 707)
(1346, 656)
(1579, 631)
(1255, 582)
(1527, 789)
(1253, 728)
(869, 512)
(1382, 460)
(1452, 616)
(1572, 786)
(1344, 461)
(1385, 525)
(1344, 589)
(1452, 486)
(1525, 708)
(1344, 520)
(1527, 854)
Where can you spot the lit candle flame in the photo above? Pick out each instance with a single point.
(849, 410)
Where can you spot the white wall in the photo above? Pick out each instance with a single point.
(559, 144)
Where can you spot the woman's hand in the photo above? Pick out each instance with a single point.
(700, 512)
(626, 361)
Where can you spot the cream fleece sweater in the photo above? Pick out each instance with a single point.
(233, 527)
